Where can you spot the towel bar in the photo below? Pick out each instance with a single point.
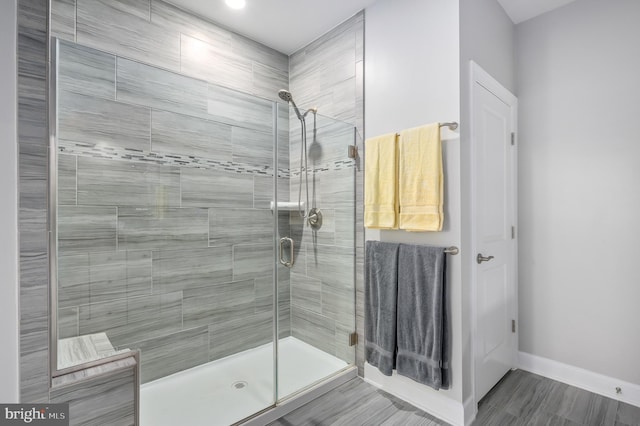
(453, 250)
(452, 126)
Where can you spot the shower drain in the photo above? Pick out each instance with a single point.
(240, 385)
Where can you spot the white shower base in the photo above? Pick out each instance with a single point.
(207, 394)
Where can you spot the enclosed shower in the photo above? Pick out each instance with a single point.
(202, 222)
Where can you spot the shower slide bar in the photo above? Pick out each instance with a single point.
(452, 126)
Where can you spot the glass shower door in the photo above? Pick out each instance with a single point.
(165, 234)
(319, 276)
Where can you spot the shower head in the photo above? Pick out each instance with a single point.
(285, 95)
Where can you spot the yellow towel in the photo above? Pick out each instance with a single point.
(381, 182)
(421, 179)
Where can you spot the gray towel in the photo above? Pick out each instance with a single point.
(423, 332)
(381, 291)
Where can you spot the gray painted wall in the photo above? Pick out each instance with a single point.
(9, 380)
(579, 200)
(487, 36)
(412, 78)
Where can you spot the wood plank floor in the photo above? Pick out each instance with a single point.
(521, 398)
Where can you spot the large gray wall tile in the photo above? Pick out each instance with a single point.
(154, 87)
(263, 191)
(118, 275)
(82, 229)
(239, 109)
(214, 188)
(218, 66)
(236, 334)
(267, 81)
(67, 322)
(321, 72)
(127, 321)
(190, 136)
(252, 146)
(218, 302)
(315, 329)
(156, 228)
(306, 292)
(33, 137)
(123, 27)
(63, 19)
(166, 15)
(95, 121)
(173, 353)
(127, 183)
(99, 277)
(252, 261)
(338, 301)
(85, 70)
(177, 270)
(32, 38)
(338, 189)
(66, 179)
(240, 226)
(73, 280)
(265, 300)
(259, 53)
(331, 264)
(345, 227)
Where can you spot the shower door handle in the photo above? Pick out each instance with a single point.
(283, 240)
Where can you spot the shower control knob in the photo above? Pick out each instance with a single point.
(314, 219)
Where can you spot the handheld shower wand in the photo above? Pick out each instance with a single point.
(314, 217)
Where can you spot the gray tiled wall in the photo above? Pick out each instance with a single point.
(166, 174)
(162, 94)
(328, 74)
(110, 396)
(32, 226)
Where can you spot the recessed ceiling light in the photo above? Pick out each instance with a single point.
(236, 4)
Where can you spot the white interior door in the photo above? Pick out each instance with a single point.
(494, 179)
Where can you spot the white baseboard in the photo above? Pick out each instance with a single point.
(436, 403)
(580, 378)
(470, 411)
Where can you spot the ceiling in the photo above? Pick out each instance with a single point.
(288, 25)
(285, 25)
(521, 10)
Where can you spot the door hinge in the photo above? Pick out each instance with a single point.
(513, 138)
(513, 232)
(353, 339)
(352, 151)
(513, 326)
